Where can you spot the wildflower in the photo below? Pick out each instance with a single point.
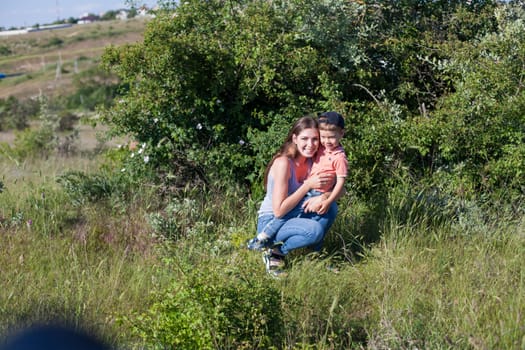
(146, 159)
(29, 223)
(242, 142)
(198, 126)
(133, 145)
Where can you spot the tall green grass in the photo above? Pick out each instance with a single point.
(145, 271)
(446, 286)
(60, 263)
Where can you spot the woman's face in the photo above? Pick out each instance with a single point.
(307, 142)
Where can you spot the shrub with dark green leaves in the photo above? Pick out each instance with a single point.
(210, 308)
(202, 78)
(425, 87)
(480, 127)
(5, 50)
(54, 41)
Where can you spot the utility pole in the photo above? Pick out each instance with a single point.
(58, 72)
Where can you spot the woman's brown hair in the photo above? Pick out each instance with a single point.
(288, 148)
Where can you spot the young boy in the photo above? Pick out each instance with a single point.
(330, 159)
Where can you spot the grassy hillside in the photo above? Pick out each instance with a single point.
(84, 241)
(36, 56)
(104, 267)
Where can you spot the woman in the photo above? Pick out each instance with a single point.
(287, 183)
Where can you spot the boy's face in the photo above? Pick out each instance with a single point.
(330, 139)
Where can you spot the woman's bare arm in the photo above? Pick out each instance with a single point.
(281, 202)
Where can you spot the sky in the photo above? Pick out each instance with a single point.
(26, 13)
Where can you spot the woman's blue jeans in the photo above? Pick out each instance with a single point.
(304, 230)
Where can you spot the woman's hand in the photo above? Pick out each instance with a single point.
(318, 180)
(314, 205)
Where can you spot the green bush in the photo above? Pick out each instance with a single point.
(212, 308)
(5, 50)
(93, 88)
(54, 41)
(15, 114)
(480, 125)
(67, 121)
(82, 187)
(42, 140)
(208, 77)
(34, 143)
(202, 79)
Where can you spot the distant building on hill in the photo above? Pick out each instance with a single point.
(122, 14)
(88, 18)
(142, 11)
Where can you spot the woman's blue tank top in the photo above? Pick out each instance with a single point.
(293, 185)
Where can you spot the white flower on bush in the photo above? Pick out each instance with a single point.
(146, 159)
(198, 126)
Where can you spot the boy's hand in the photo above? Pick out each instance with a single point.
(323, 208)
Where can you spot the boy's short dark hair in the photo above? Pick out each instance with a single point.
(331, 118)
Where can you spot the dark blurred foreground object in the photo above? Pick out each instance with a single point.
(51, 338)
